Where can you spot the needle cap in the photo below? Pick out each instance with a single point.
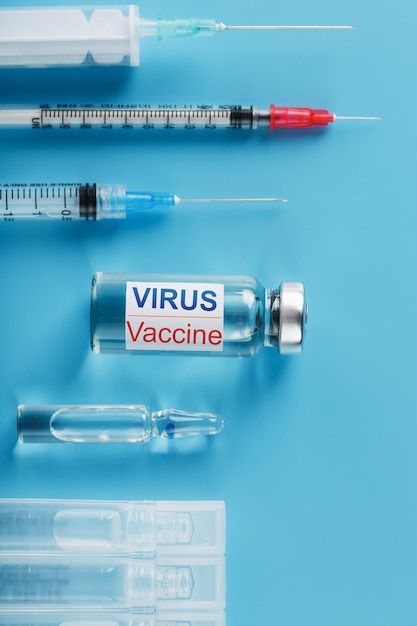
(292, 117)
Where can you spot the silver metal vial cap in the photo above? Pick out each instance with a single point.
(293, 312)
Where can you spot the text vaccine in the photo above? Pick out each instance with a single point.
(201, 315)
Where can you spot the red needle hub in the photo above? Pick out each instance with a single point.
(289, 117)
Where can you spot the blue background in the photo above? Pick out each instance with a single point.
(317, 461)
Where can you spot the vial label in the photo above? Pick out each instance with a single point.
(174, 316)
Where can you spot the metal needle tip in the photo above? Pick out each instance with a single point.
(353, 117)
(200, 200)
(289, 27)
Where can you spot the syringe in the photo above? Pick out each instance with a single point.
(75, 201)
(147, 117)
(65, 36)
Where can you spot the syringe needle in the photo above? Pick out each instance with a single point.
(226, 27)
(205, 200)
(101, 35)
(354, 117)
(92, 202)
(293, 117)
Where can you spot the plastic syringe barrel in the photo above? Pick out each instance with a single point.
(77, 202)
(76, 36)
(69, 36)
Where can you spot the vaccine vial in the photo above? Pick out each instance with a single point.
(195, 315)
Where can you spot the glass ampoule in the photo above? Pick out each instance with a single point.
(118, 423)
(200, 315)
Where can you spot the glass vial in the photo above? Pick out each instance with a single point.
(200, 315)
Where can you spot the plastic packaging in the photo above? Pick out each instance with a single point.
(107, 526)
(107, 618)
(76, 582)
